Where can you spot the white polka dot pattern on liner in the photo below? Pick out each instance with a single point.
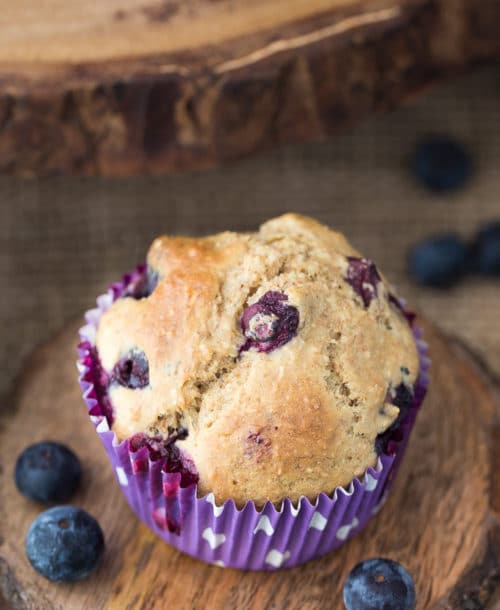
(102, 426)
(218, 510)
(318, 522)
(122, 477)
(214, 540)
(344, 531)
(370, 482)
(264, 525)
(276, 558)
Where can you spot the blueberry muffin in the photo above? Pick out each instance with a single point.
(263, 365)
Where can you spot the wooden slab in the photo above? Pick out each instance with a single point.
(123, 86)
(441, 521)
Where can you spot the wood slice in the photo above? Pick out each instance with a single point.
(441, 520)
(124, 86)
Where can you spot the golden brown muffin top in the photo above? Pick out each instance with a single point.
(281, 353)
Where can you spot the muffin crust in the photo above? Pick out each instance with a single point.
(263, 422)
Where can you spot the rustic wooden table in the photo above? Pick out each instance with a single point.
(63, 240)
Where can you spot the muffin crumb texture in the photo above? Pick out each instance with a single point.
(281, 358)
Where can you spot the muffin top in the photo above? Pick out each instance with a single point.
(275, 360)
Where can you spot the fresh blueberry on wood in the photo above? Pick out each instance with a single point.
(48, 472)
(379, 584)
(64, 544)
(486, 250)
(439, 261)
(441, 164)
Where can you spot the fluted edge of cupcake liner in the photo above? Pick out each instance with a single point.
(266, 538)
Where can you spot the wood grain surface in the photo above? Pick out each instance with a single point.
(150, 86)
(441, 520)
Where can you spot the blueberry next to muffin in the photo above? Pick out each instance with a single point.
(363, 276)
(269, 323)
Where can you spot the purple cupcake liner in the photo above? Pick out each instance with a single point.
(251, 538)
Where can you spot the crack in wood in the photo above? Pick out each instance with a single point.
(331, 31)
(201, 107)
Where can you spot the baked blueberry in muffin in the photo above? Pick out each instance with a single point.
(262, 365)
(269, 323)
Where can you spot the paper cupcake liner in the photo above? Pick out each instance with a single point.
(252, 538)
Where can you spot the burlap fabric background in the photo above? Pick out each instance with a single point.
(63, 240)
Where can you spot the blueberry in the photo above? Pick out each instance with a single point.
(64, 544)
(132, 371)
(48, 472)
(486, 250)
(402, 397)
(152, 281)
(379, 584)
(262, 327)
(174, 460)
(439, 261)
(165, 448)
(269, 323)
(442, 164)
(143, 284)
(363, 277)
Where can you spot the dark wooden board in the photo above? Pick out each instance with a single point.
(162, 85)
(441, 520)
